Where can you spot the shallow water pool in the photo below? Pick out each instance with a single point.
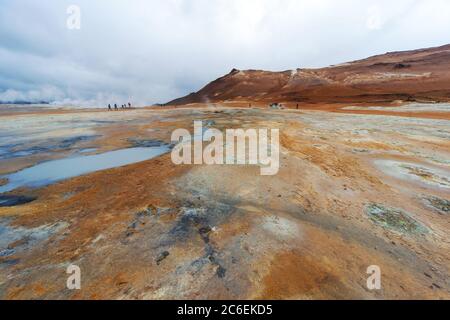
(56, 170)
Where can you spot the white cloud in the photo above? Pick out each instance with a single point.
(375, 18)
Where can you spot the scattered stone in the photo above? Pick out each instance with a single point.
(162, 256)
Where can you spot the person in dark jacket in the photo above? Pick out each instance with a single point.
(115, 107)
(109, 107)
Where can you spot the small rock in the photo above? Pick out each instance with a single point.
(163, 255)
(7, 252)
(436, 286)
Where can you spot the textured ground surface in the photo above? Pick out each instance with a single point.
(353, 190)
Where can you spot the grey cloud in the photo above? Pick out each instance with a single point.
(152, 51)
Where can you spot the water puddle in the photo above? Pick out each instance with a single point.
(56, 170)
(20, 150)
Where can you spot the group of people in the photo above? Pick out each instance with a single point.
(124, 106)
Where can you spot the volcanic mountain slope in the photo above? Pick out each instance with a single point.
(418, 75)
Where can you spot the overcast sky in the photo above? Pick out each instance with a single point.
(150, 51)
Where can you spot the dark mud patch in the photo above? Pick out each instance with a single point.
(146, 143)
(7, 252)
(88, 150)
(416, 172)
(8, 262)
(70, 142)
(442, 206)
(394, 219)
(15, 240)
(24, 152)
(211, 253)
(194, 217)
(53, 171)
(209, 123)
(189, 220)
(161, 257)
(201, 221)
(13, 151)
(188, 223)
(12, 201)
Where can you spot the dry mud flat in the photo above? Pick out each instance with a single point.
(352, 191)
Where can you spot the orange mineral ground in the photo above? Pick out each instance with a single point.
(364, 180)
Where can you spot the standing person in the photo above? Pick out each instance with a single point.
(115, 106)
(109, 107)
(129, 105)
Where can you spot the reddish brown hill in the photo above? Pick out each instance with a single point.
(418, 75)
